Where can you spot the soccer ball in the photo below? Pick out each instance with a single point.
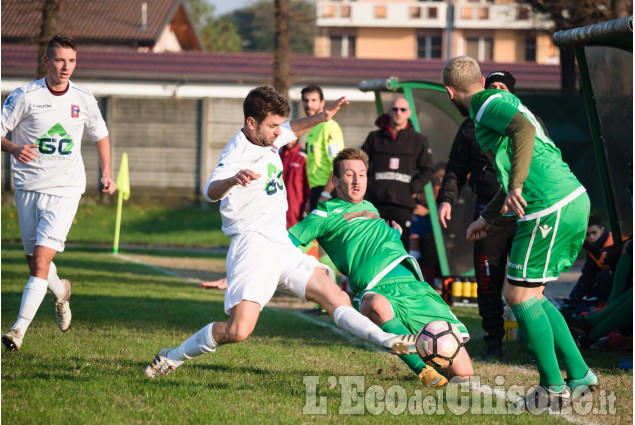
(438, 343)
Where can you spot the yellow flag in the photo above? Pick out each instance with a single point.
(123, 178)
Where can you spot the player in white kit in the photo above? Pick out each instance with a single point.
(261, 257)
(46, 119)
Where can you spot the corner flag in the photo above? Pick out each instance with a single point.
(123, 186)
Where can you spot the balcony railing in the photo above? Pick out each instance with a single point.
(430, 14)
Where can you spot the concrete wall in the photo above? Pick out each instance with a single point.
(173, 145)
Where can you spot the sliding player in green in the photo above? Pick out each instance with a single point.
(386, 281)
(553, 210)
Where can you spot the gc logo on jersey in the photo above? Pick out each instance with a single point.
(275, 180)
(74, 111)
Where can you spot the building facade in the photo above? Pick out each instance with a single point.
(503, 31)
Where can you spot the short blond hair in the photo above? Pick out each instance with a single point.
(462, 73)
(346, 154)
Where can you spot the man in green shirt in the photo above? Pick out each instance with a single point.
(385, 280)
(323, 142)
(552, 208)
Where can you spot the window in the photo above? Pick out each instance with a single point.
(429, 47)
(381, 12)
(342, 46)
(480, 48)
(433, 12)
(345, 11)
(415, 12)
(328, 11)
(483, 13)
(466, 13)
(530, 48)
(523, 13)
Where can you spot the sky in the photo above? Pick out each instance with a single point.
(222, 7)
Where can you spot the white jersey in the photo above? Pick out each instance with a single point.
(34, 115)
(261, 206)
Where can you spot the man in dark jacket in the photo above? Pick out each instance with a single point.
(400, 165)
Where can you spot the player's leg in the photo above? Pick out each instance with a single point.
(571, 230)
(321, 289)
(252, 279)
(378, 309)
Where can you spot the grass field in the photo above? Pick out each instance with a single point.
(123, 312)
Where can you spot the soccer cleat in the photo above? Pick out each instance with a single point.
(431, 378)
(590, 381)
(161, 365)
(12, 340)
(540, 399)
(63, 308)
(402, 344)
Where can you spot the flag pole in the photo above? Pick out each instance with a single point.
(118, 222)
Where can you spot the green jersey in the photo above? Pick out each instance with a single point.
(359, 242)
(549, 179)
(323, 143)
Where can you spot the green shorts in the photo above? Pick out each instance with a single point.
(546, 245)
(415, 303)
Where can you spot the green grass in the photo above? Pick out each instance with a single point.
(124, 312)
(187, 227)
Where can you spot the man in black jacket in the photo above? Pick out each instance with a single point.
(491, 253)
(400, 165)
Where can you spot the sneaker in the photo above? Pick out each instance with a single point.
(493, 352)
(590, 381)
(541, 399)
(401, 344)
(161, 365)
(63, 309)
(12, 340)
(431, 378)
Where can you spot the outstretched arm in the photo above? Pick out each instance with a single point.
(218, 189)
(302, 126)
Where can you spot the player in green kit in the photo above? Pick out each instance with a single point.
(386, 281)
(552, 208)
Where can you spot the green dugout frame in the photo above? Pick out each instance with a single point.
(604, 53)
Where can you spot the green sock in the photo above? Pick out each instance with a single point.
(623, 271)
(598, 317)
(413, 361)
(536, 334)
(574, 364)
(619, 314)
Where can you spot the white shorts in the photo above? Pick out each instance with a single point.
(257, 267)
(44, 219)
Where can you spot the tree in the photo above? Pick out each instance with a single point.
(281, 53)
(50, 11)
(255, 24)
(217, 35)
(568, 14)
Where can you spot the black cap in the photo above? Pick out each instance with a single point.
(503, 77)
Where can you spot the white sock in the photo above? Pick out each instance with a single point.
(354, 322)
(55, 284)
(202, 342)
(32, 297)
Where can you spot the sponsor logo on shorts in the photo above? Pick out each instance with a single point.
(515, 266)
(545, 229)
(59, 241)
